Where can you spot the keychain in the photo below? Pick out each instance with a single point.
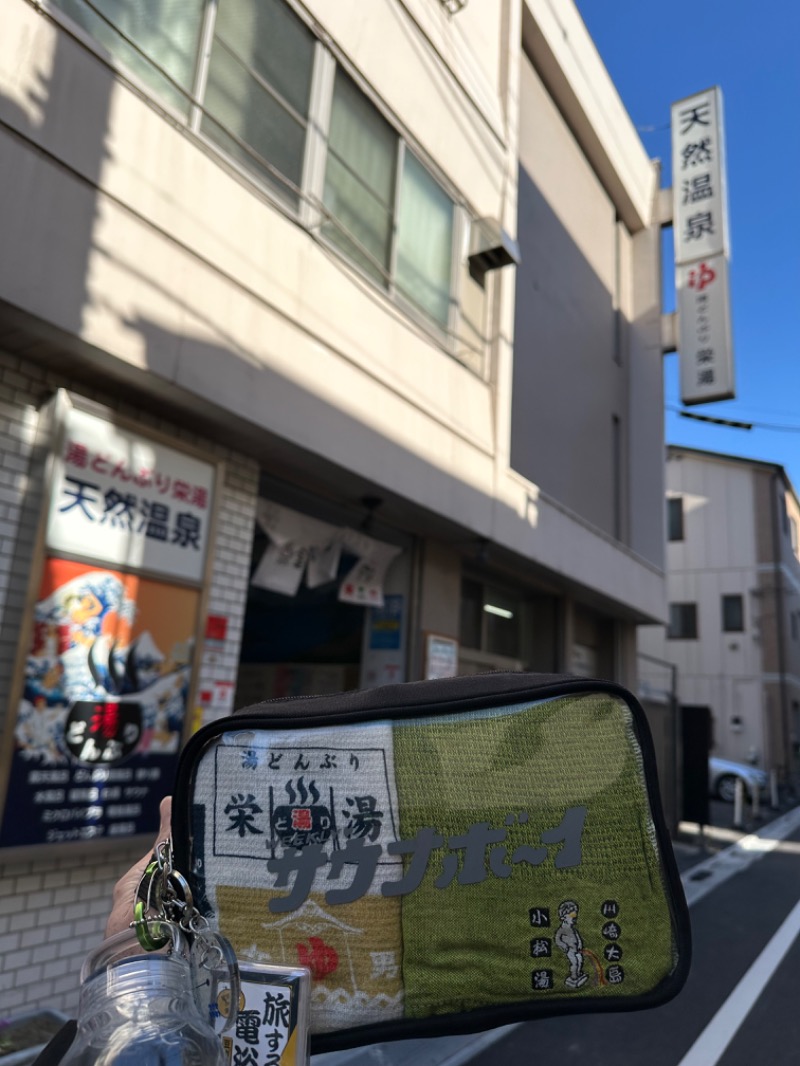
(164, 898)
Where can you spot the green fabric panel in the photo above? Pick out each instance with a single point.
(466, 946)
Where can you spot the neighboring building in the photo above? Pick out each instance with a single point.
(265, 361)
(733, 574)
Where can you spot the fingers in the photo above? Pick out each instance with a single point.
(124, 894)
(165, 811)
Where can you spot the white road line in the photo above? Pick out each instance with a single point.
(710, 1046)
(710, 874)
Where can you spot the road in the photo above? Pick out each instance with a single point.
(739, 1005)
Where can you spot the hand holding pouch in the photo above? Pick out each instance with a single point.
(443, 856)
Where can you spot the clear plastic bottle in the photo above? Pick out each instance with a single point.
(138, 1009)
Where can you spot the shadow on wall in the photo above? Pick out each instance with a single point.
(570, 374)
(51, 163)
(39, 146)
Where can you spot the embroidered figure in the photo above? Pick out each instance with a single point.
(568, 940)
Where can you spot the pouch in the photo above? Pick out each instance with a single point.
(444, 856)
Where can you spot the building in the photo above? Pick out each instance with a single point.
(280, 414)
(733, 574)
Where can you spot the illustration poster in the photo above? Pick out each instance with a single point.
(105, 693)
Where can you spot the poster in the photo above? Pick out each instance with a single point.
(100, 719)
(383, 655)
(441, 656)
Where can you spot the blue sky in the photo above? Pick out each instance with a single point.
(658, 53)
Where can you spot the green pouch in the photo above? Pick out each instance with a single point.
(443, 856)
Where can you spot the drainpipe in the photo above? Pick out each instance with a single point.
(779, 605)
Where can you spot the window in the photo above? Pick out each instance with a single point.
(424, 241)
(258, 89)
(732, 614)
(491, 620)
(793, 623)
(682, 621)
(793, 533)
(252, 77)
(675, 518)
(360, 179)
(146, 37)
(389, 214)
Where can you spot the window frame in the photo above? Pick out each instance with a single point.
(680, 525)
(459, 334)
(311, 211)
(672, 634)
(447, 335)
(317, 194)
(729, 598)
(489, 590)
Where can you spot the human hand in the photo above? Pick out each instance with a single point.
(124, 896)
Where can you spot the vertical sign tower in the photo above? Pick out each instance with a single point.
(702, 248)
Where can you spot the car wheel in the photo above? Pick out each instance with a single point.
(726, 787)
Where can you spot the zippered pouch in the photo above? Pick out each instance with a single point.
(443, 856)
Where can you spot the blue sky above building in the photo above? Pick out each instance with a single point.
(657, 54)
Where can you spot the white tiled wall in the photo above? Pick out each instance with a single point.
(52, 913)
(54, 905)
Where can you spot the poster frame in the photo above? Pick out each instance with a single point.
(429, 637)
(47, 449)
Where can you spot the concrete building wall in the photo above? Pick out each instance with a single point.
(261, 323)
(566, 380)
(734, 543)
(645, 418)
(587, 360)
(289, 343)
(467, 79)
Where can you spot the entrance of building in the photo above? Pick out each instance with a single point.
(327, 604)
(299, 645)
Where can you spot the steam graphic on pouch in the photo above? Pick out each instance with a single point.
(93, 691)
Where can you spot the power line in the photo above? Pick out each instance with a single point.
(780, 427)
(716, 421)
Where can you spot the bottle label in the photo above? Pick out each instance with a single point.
(272, 1024)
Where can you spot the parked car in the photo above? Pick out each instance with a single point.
(723, 775)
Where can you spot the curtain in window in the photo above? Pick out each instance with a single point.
(360, 179)
(167, 31)
(424, 241)
(259, 88)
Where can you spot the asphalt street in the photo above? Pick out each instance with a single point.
(739, 1004)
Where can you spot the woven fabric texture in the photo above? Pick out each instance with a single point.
(513, 858)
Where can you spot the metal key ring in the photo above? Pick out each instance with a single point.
(184, 894)
(150, 941)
